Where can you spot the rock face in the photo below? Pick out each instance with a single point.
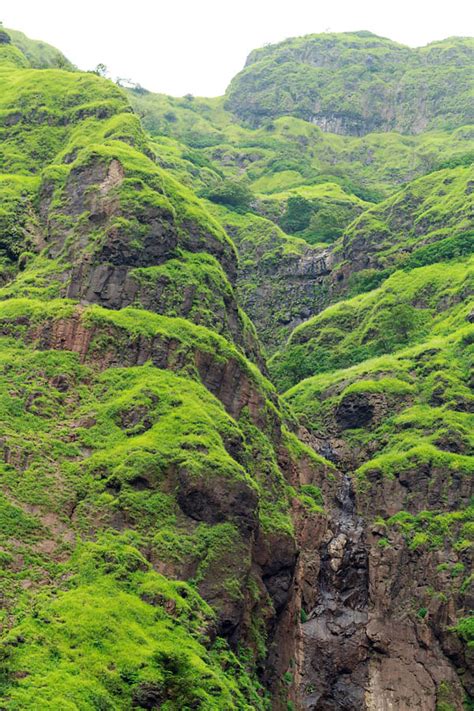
(358, 647)
(135, 241)
(335, 646)
(280, 281)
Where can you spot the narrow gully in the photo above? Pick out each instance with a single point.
(335, 646)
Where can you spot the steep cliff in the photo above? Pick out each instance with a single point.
(184, 524)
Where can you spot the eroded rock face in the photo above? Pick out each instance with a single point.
(279, 292)
(226, 378)
(276, 556)
(142, 236)
(291, 291)
(335, 646)
(359, 646)
(365, 641)
(409, 667)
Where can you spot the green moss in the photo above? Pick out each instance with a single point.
(16, 194)
(41, 278)
(191, 283)
(133, 323)
(465, 629)
(14, 522)
(392, 462)
(312, 497)
(391, 386)
(186, 421)
(432, 529)
(34, 309)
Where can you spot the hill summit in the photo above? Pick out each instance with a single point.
(357, 83)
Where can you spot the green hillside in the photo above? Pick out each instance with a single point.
(357, 83)
(236, 383)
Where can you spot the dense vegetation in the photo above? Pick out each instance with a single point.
(156, 487)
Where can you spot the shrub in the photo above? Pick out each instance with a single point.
(297, 215)
(232, 192)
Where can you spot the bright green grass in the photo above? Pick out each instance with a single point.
(107, 638)
(405, 309)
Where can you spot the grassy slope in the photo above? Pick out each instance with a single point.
(405, 309)
(137, 424)
(291, 152)
(88, 452)
(435, 207)
(39, 54)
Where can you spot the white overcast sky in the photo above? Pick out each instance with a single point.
(197, 46)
